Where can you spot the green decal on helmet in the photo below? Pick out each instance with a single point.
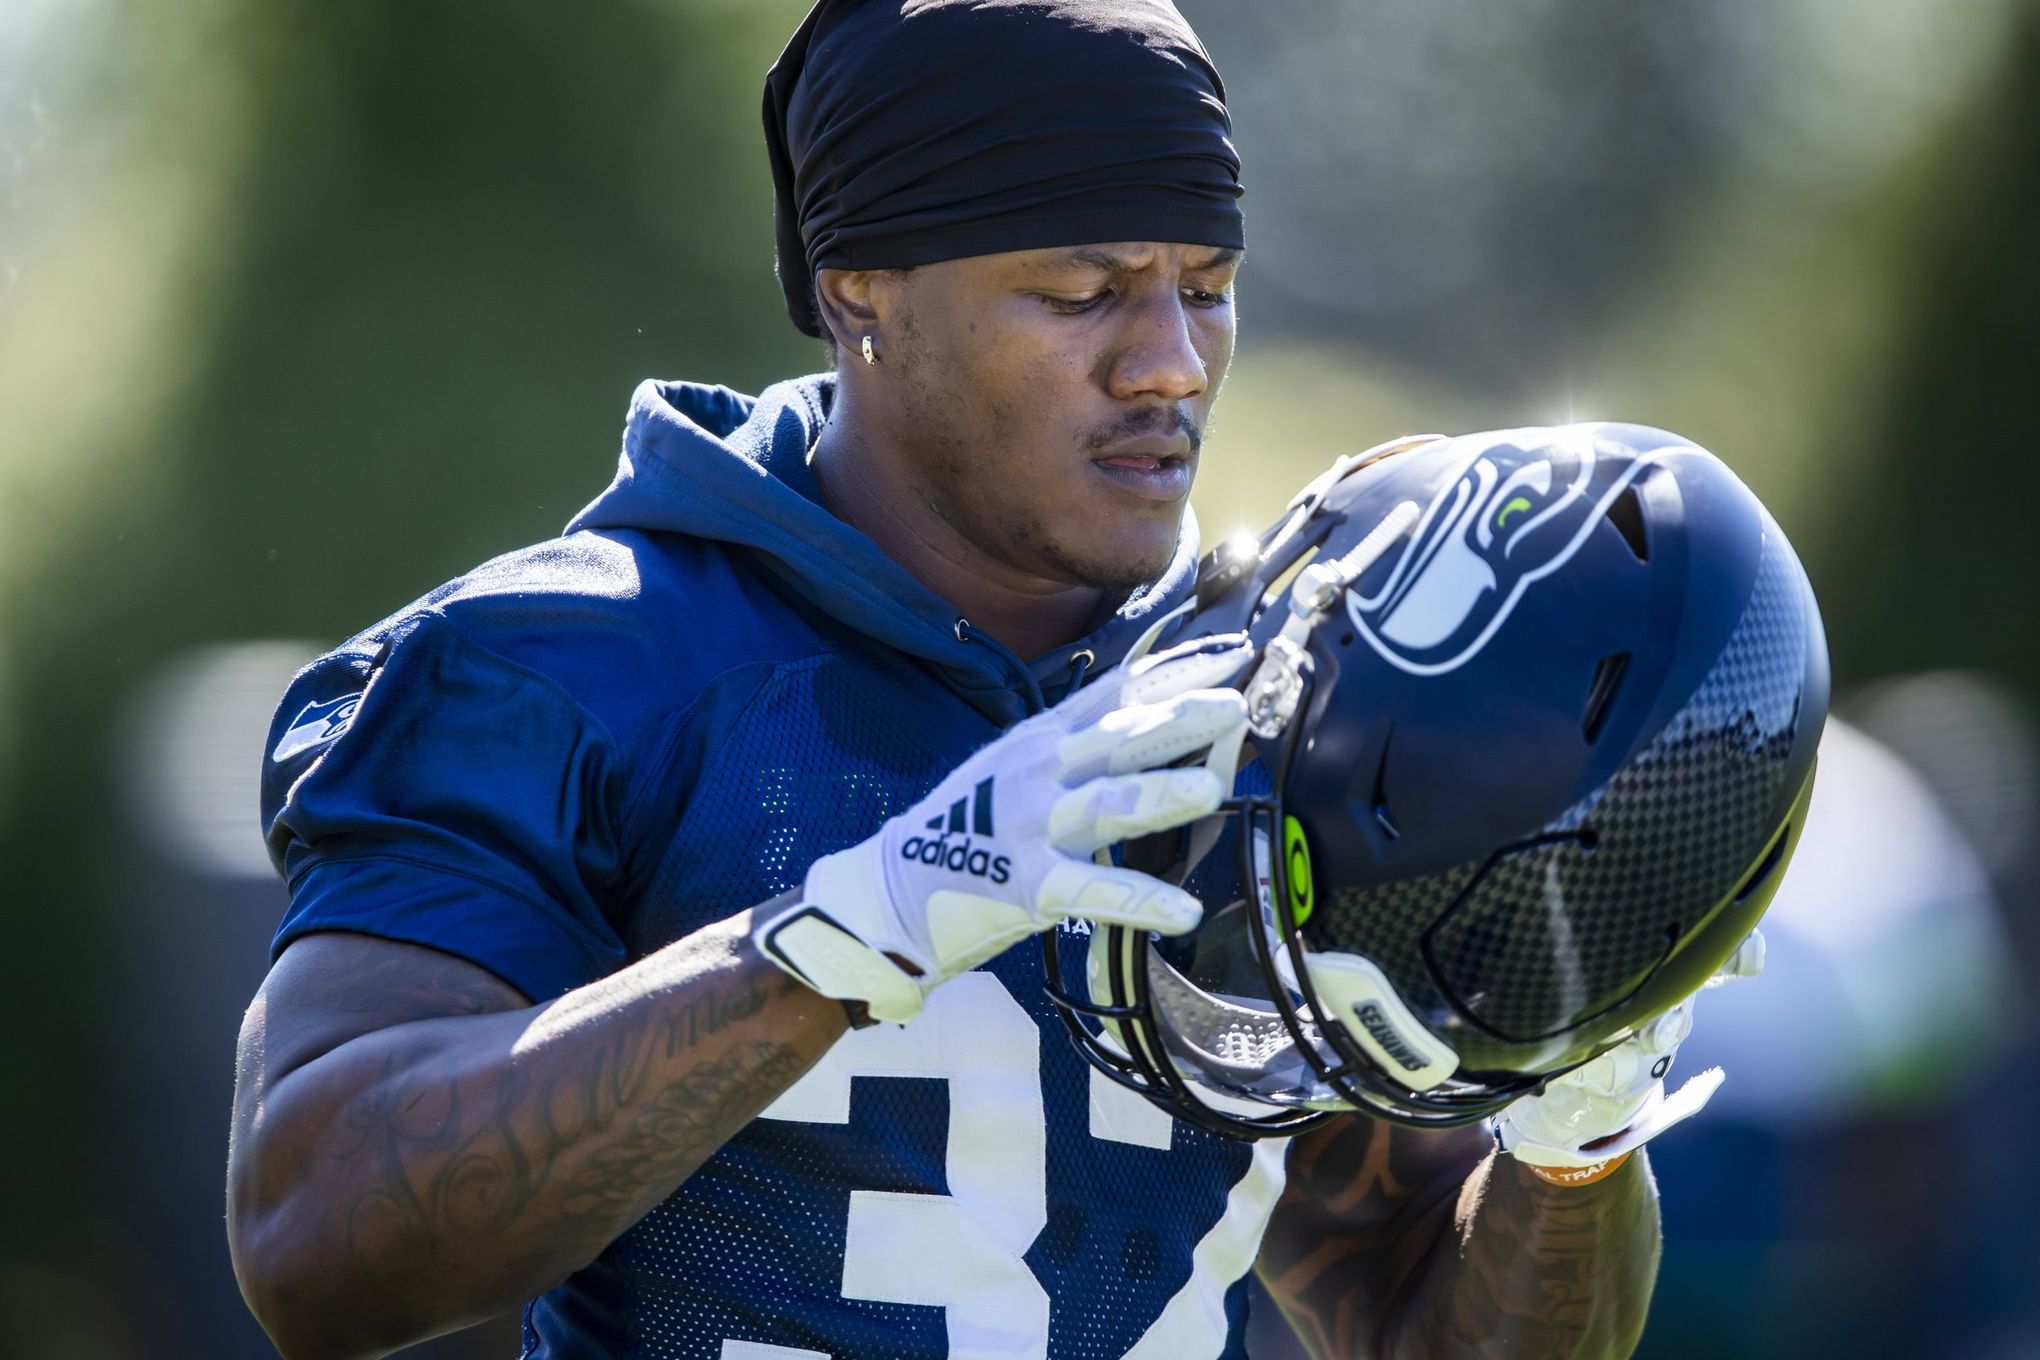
(1296, 871)
(1515, 503)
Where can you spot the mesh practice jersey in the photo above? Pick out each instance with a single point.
(581, 752)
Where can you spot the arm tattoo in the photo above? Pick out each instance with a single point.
(1548, 1272)
(570, 1141)
(1395, 1242)
(1355, 1220)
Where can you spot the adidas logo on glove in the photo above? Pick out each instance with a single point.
(962, 857)
(1073, 780)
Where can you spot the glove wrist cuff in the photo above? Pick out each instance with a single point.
(1578, 1175)
(822, 953)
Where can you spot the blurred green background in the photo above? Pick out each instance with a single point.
(304, 309)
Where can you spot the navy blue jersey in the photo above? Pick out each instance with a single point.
(581, 752)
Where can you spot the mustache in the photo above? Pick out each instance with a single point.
(1163, 420)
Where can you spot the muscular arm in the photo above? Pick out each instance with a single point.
(415, 1147)
(1390, 1242)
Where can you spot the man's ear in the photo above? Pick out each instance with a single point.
(843, 296)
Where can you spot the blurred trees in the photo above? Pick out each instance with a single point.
(1939, 563)
(317, 306)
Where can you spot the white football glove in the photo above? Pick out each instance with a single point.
(1616, 1103)
(1002, 848)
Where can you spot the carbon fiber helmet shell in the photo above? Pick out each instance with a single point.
(1560, 694)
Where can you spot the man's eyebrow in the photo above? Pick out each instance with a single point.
(1091, 257)
(1097, 257)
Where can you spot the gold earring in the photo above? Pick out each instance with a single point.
(869, 357)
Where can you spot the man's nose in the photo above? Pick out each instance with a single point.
(1160, 356)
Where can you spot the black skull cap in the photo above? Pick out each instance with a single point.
(902, 132)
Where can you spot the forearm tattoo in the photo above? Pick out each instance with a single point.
(566, 1142)
(1356, 1219)
(1546, 1272)
(1400, 1244)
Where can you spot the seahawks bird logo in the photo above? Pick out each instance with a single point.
(316, 724)
(1480, 544)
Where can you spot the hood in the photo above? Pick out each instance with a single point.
(716, 464)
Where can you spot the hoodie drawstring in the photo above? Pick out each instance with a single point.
(1081, 662)
(965, 632)
(1080, 665)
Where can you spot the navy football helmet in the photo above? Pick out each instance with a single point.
(1534, 715)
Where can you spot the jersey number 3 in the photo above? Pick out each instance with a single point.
(963, 1251)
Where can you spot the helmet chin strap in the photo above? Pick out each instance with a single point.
(1318, 585)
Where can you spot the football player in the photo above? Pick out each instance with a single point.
(654, 891)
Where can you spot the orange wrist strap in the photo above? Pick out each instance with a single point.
(1577, 1175)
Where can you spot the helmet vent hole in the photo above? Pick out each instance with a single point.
(1762, 873)
(1608, 673)
(1382, 816)
(1588, 837)
(1626, 514)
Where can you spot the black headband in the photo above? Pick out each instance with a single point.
(903, 132)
